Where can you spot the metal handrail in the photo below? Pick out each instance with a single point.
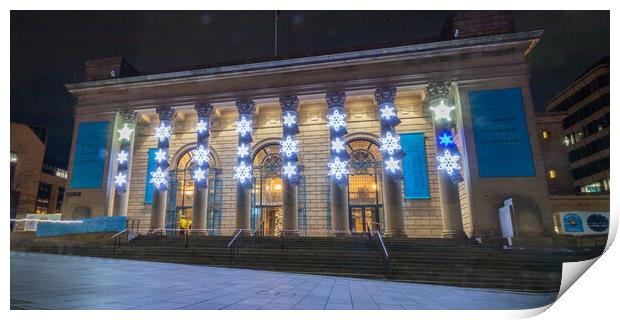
(371, 235)
(117, 239)
(235, 238)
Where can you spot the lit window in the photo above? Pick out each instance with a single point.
(567, 141)
(552, 174)
(545, 134)
(61, 173)
(594, 187)
(13, 156)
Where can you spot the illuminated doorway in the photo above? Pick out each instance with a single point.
(267, 192)
(181, 193)
(365, 198)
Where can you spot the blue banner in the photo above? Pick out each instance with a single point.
(151, 166)
(500, 133)
(90, 154)
(88, 225)
(414, 166)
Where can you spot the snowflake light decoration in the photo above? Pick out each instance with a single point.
(392, 164)
(120, 179)
(162, 132)
(122, 157)
(289, 170)
(289, 146)
(160, 155)
(201, 155)
(442, 111)
(338, 145)
(448, 162)
(159, 177)
(243, 126)
(390, 143)
(336, 120)
(201, 126)
(387, 112)
(199, 174)
(243, 172)
(445, 139)
(243, 150)
(125, 133)
(289, 119)
(338, 168)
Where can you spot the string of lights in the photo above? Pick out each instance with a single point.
(390, 140)
(448, 155)
(243, 170)
(122, 157)
(202, 151)
(289, 144)
(159, 177)
(336, 121)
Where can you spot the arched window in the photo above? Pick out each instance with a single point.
(267, 193)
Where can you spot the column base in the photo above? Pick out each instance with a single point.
(341, 234)
(395, 234)
(290, 233)
(454, 234)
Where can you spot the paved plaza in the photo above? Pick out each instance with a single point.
(46, 281)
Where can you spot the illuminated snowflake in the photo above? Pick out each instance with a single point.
(243, 150)
(201, 126)
(338, 168)
(445, 139)
(448, 162)
(338, 145)
(387, 112)
(199, 174)
(289, 170)
(122, 157)
(336, 120)
(442, 111)
(392, 164)
(243, 172)
(289, 146)
(390, 143)
(159, 177)
(201, 155)
(160, 155)
(288, 119)
(243, 126)
(162, 132)
(125, 133)
(120, 179)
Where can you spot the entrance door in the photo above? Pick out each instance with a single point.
(272, 221)
(361, 217)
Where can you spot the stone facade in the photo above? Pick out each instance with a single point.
(484, 63)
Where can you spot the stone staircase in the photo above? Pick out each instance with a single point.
(435, 261)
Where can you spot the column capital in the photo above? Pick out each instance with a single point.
(128, 116)
(385, 95)
(245, 106)
(204, 109)
(438, 90)
(289, 103)
(335, 99)
(165, 112)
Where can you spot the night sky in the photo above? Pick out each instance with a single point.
(48, 49)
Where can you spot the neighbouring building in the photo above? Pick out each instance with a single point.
(37, 183)
(581, 120)
(423, 140)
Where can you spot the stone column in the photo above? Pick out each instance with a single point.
(447, 157)
(392, 162)
(339, 158)
(124, 157)
(159, 178)
(201, 167)
(243, 170)
(290, 170)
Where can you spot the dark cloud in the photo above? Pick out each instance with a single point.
(48, 49)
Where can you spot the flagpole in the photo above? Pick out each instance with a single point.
(275, 42)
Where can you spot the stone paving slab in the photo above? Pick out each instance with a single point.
(48, 281)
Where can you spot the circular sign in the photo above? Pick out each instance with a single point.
(598, 222)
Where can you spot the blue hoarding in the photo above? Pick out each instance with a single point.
(90, 154)
(148, 193)
(414, 166)
(500, 133)
(88, 225)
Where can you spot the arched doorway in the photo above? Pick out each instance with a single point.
(267, 193)
(181, 192)
(365, 198)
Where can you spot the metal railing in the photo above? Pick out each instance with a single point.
(129, 228)
(235, 246)
(376, 234)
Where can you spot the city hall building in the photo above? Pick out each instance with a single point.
(422, 140)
